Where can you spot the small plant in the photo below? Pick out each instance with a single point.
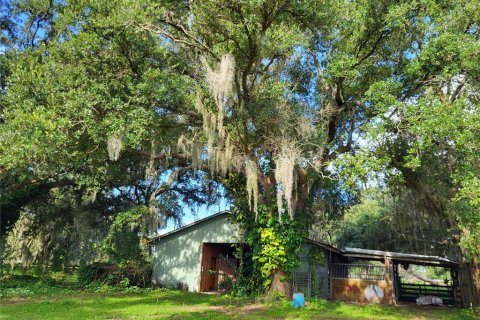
(124, 283)
(278, 296)
(135, 289)
(97, 286)
(87, 274)
(226, 285)
(182, 286)
(240, 291)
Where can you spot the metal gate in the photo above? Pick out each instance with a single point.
(312, 284)
(411, 291)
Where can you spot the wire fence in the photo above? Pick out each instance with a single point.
(312, 285)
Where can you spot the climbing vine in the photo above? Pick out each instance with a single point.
(275, 243)
(316, 258)
(272, 254)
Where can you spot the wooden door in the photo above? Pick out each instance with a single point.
(213, 276)
(205, 267)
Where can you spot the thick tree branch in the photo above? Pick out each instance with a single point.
(372, 50)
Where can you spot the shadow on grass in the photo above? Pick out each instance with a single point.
(116, 305)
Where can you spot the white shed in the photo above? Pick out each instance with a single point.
(187, 256)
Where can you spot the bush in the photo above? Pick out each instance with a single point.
(278, 295)
(182, 286)
(28, 285)
(139, 273)
(127, 275)
(124, 283)
(97, 286)
(86, 274)
(97, 272)
(226, 285)
(17, 280)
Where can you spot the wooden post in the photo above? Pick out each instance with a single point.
(329, 275)
(388, 279)
(475, 272)
(310, 283)
(457, 294)
(396, 280)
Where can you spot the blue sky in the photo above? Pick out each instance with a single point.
(198, 213)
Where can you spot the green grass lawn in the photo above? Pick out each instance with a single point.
(159, 304)
(36, 300)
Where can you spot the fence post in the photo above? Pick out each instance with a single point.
(388, 279)
(310, 284)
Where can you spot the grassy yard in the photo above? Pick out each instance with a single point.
(41, 301)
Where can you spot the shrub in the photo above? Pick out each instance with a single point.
(278, 295)
(125, 276)
(98, 272)
(182, 286)
(226, 285)
(86, 274)
(139, 273)
(124, 283)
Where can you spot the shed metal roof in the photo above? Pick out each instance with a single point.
(403, 257)
(325, 246)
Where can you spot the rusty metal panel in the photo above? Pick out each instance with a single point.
(354, 290)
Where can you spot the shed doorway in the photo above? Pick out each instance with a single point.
(217, 264)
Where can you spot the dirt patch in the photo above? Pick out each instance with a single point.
(414, 306)
(199, 308)
(245, 310)
(228, 310)
(11, 301)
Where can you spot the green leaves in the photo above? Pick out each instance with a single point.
(108, 77)
(272, 255)
(426, 120)
(122, 243)
(276, 245)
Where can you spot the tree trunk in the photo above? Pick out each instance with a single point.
(424, 278)
(475, 269)
(280, 284)
(469, 281)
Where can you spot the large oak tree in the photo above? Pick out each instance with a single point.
(275, 90)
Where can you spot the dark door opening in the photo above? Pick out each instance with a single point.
(218, 263)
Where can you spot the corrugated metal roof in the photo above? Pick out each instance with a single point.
(406, 257)
(325, 246)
